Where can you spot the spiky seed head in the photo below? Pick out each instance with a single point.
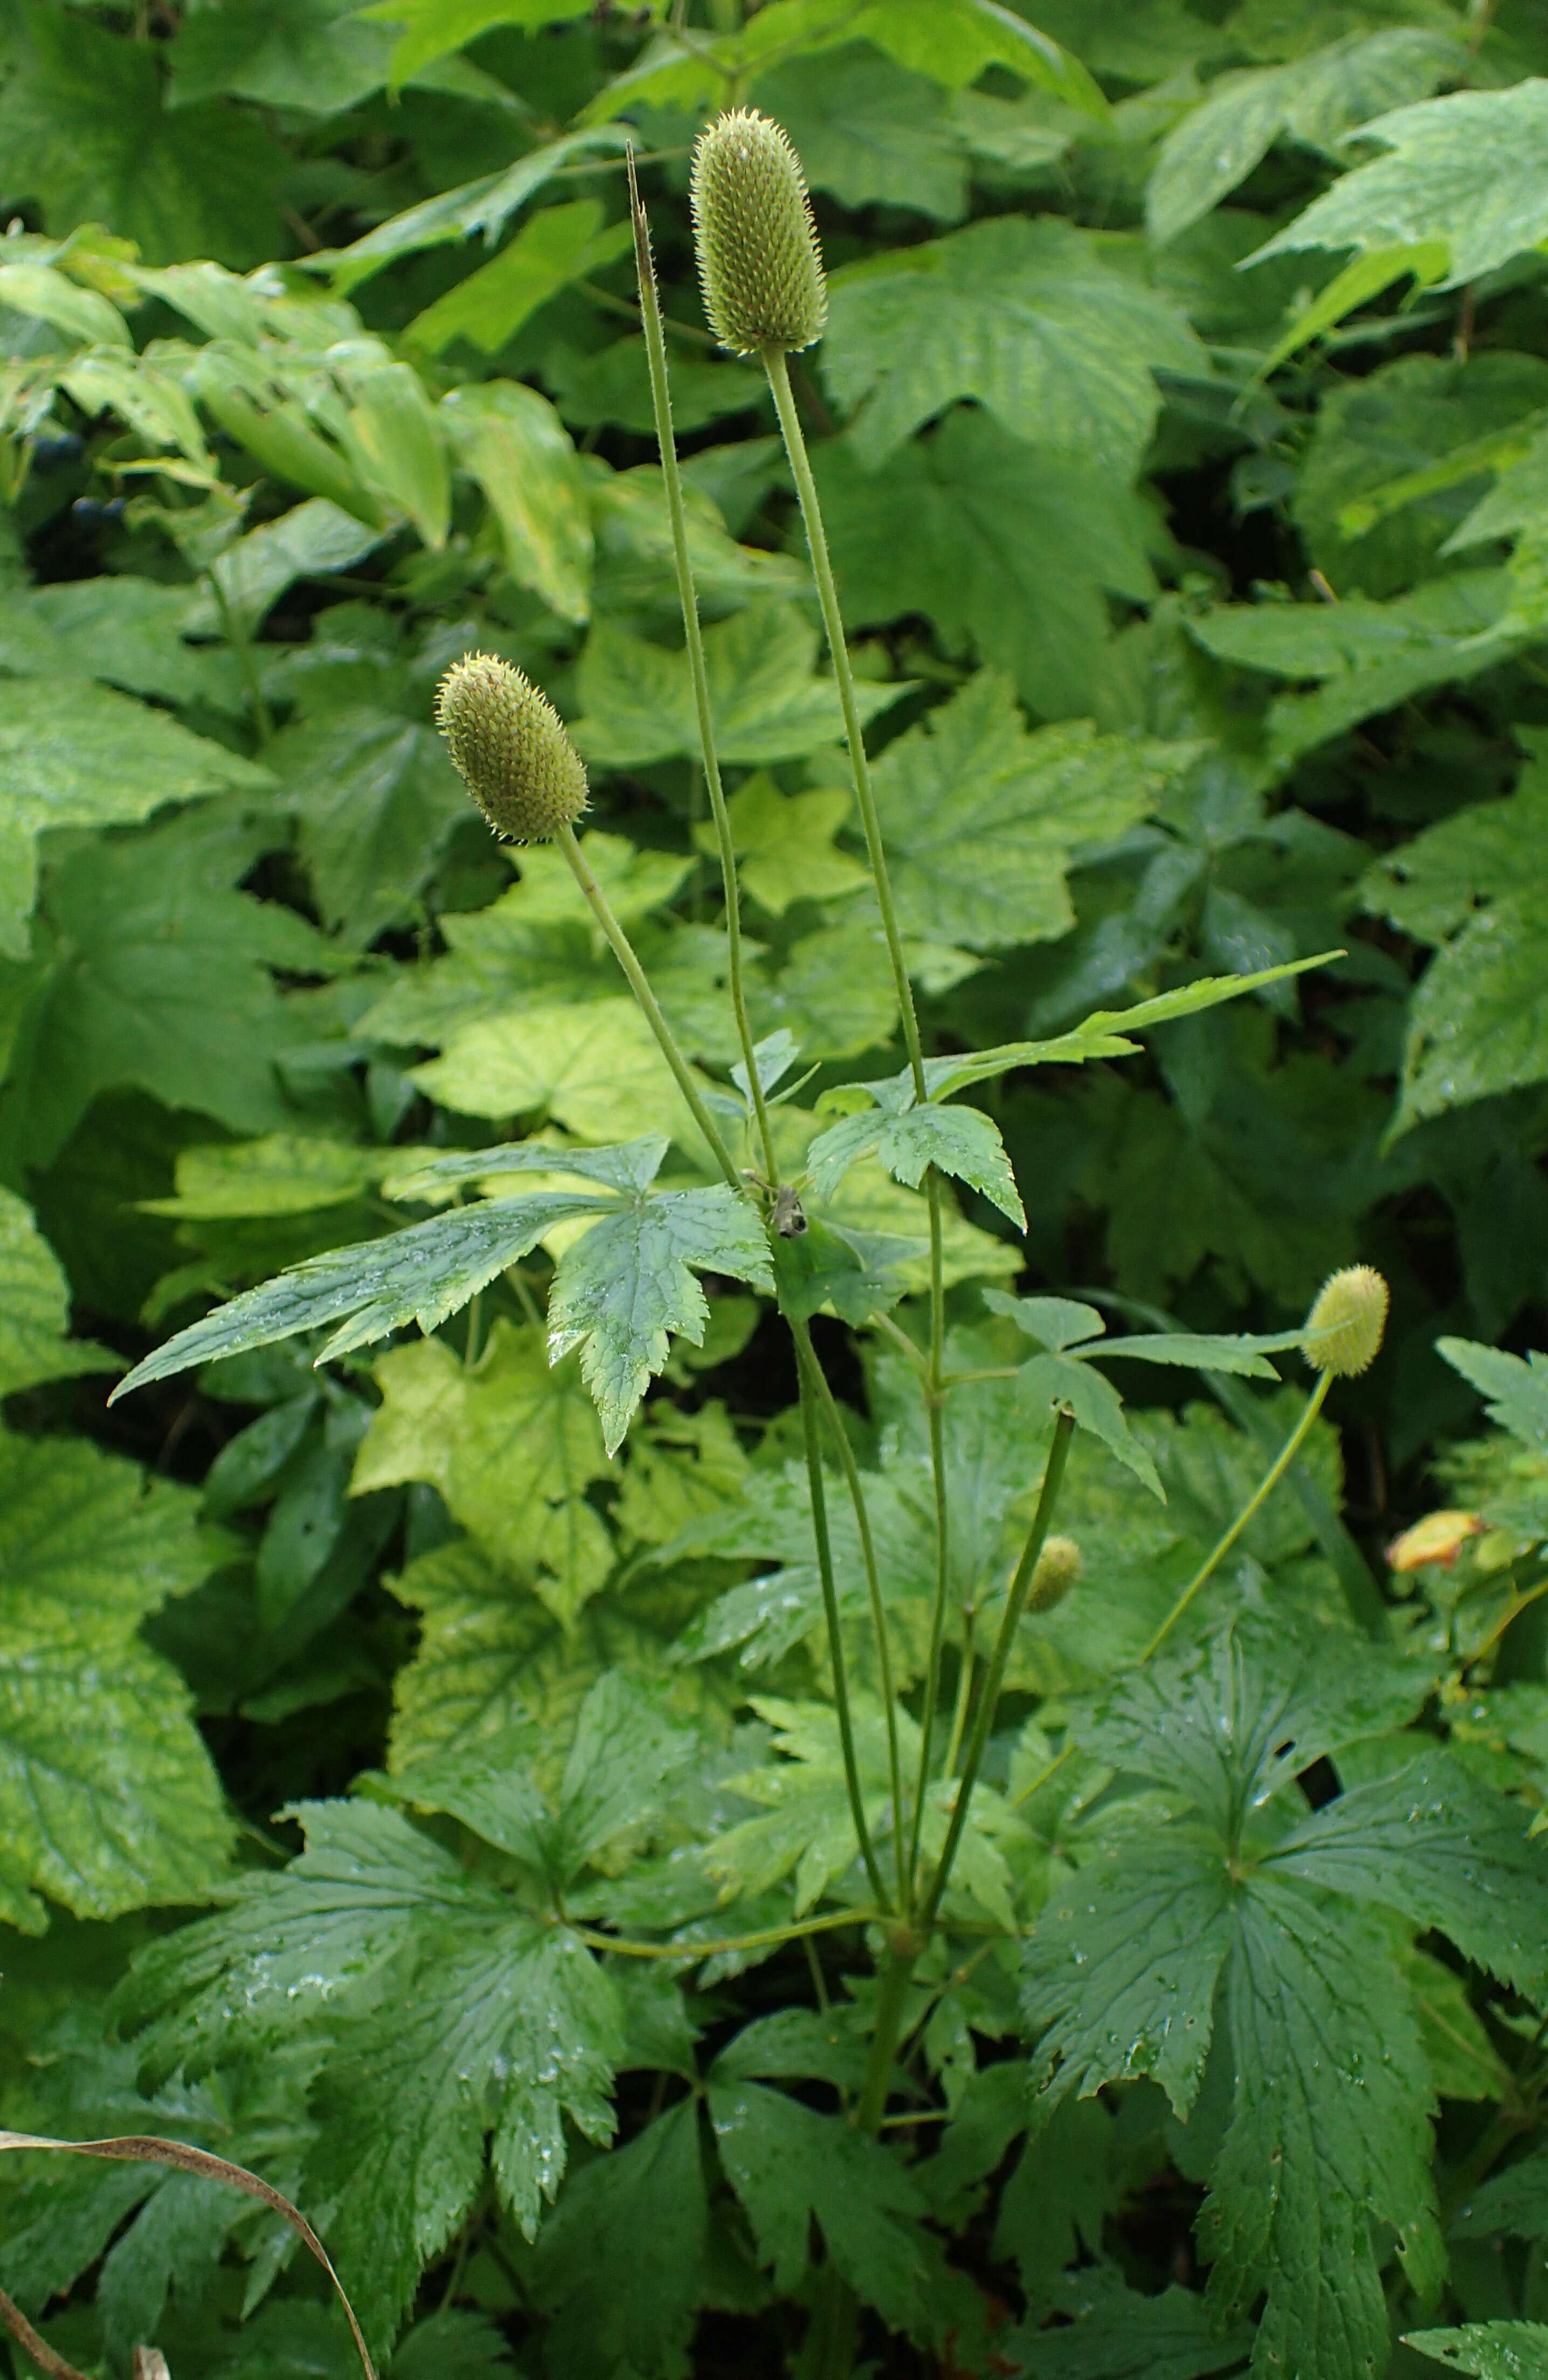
(510, 749)
(1059, 1566)
(758, 261)
(1346, 1322)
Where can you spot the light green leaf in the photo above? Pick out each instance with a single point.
(512, 1447)
(422, 1274)
(767, 701)
(490, 1657)
(613, 385)
(630, 1281)
(1490, 2351)
(626, 1746)
(560, 245)
(984, 512)
(108, 1800)
(395, 439)
(1519, 1391)
(981, 819)
(430, 28)
(596, 1068)
(1482, 853)
(785, 843)
(1315, 101)
(960, 1141)
(1055, 1381)
(869, 132)
(52, 297)
(34, 1308)
(636, 566)
(485, 205)
(1466, 169)
(93, 758)
(1397, 457)
(1023, 315)
(510, 439)
(279, 1174)
(311, 542)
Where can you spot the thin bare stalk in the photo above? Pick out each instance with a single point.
(802, 1333)
(964, 1696)
(660, 398)
(688, 1953)
(806, 1367)
(1270, 1480)
(623, 951)
(794, 436)
(1015, 1604)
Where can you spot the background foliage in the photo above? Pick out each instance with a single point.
(1183, 447)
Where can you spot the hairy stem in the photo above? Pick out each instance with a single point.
(801, 1333)
(1270, 1480)
(811, 1398)
(1015, 1604)
(623, 951)
(660, 398)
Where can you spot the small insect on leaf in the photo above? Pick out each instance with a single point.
(789, 1215)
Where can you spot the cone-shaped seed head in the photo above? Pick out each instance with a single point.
(1348, 1319)
(758, 261)
(510, 747)
(1058, 1567)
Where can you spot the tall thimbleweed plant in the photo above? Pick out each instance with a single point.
(621, 1288)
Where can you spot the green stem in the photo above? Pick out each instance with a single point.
(810, 1399)
(778, 370)
(896, 1974)
(1015, 1603)
(688, 1952)
(660, 398)
(801, 1331)
(963, 1697)
(832, 621)
(623, 951)
(1270, 1480)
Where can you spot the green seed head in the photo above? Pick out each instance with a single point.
(510, 748)
(758, 260)
(1058, 1568)
(1346, 1322)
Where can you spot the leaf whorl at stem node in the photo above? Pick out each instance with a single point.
(760, 263)
(510, 749)
(1348, 1320)
(1059, 1566)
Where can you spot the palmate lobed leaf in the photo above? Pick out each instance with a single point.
(1330, 2092)
(619, 1293)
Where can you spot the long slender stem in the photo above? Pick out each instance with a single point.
(1270, 1480)
(802, 1334)
(623, 951)
(810, 1401)
(896, 1974)
(660, 398)
(844, 678)
(832, 621)
(688, 1952)
(1015, 1603)
(964, 1696)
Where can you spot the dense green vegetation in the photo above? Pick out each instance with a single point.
(1155, 1984)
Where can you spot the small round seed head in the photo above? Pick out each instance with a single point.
(1059, 1566)
(758, 261)
(510, 749)
(1346, 1322)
